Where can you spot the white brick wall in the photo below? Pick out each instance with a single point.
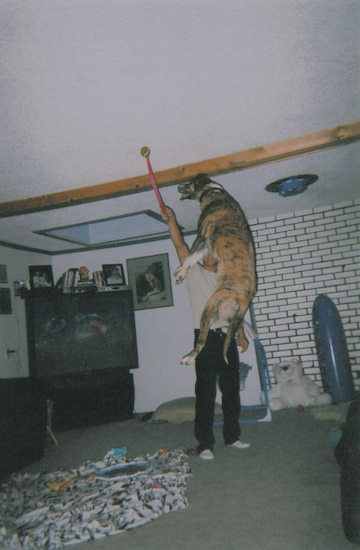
(300, 255)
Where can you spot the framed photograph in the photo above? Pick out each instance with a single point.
(113, 274)
(5, 301)
(3, 274)
(149, 278)
(41, 276)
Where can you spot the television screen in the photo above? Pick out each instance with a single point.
(76, 333)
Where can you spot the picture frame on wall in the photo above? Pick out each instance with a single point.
(41, 276)
(113, 274)
(3, 274)
(149, 278)
(5, 301)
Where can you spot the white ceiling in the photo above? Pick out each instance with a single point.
(86, 83)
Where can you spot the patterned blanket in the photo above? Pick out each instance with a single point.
(50, 510)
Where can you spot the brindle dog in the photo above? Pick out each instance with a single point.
(224, 232)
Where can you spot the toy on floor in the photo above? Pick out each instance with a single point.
(293, 388)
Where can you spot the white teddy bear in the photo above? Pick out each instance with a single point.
(293, 388)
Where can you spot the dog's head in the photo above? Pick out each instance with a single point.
(197, 186)
(287, 371)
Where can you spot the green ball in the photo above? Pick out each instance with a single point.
(145, 151)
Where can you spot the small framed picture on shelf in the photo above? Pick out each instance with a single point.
(41, 276)
(113, 274)
(149, 278)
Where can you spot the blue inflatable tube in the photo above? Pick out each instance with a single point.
(332, 350)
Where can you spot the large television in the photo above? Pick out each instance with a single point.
(80, 333)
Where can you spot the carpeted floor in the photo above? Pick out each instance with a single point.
(280, 494)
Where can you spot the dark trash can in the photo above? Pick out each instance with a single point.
(347, 453)
(22, 423)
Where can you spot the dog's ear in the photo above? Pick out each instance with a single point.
(200, 179)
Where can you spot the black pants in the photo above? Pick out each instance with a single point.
(210, 369)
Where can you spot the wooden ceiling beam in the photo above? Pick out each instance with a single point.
(341, 135)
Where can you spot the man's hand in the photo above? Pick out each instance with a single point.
(169, 214)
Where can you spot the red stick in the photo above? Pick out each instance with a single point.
(145, 151)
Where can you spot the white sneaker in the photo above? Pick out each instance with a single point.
(239, 445)
(206, 455)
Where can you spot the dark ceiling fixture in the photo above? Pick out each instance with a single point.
(294, 185)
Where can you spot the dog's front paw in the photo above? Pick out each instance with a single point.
(190, 358)
(180, 274)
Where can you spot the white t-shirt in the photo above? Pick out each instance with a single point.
(201, 284)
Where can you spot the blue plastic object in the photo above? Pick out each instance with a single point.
(294, 185)
(332, 350)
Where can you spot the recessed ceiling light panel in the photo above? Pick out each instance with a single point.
(294, 185)
(127, 229)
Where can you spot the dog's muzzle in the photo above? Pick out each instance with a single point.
(186, 192)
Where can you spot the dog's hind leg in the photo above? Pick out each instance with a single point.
(243, 341)
(206, 320)
(235, 326)
(190, 357)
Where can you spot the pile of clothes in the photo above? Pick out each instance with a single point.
(50, 510)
